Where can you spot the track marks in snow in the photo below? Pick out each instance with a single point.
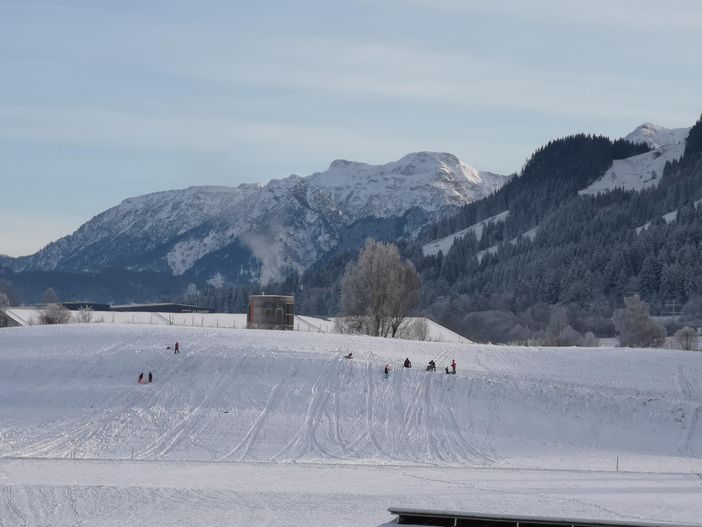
(169, 440)
(304, 441)
(686, 445)
(245, 445)
(13, 507)
(73, 502)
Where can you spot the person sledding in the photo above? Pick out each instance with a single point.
(141, 378)
(386, 371)
(349, 355)
(408, 363)
(151, 377)
(431, 366)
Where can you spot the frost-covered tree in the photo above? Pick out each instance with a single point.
(54, 314)
(379, 290)
(687, 338)
(4, 300)
(84, 315)
(635, 326)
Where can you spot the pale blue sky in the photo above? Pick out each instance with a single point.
(102, 100)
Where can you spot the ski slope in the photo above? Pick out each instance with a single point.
(266, 426)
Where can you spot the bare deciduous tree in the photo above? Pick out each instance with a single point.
(687, 338)
(636, 327)
(379, 290)
(4, 300)
(84, 315)
(420, 329)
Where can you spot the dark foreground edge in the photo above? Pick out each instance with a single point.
(472, 519)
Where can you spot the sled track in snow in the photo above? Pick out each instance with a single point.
(304, 441)
(246, 444)
(169, 440)
(13, 507)
(694, 410)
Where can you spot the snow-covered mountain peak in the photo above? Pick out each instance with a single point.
(656, 136)
(429, 180)
(343, 164)
(265, 229)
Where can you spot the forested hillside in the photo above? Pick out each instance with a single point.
(588, 251)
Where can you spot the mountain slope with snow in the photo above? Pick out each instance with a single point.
(644, 170)
(656, 136)
(637, 172)
(445, 243)
(258, 231)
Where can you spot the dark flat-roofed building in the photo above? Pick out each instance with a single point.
(162, 308)
(76, 306)
(473, 519)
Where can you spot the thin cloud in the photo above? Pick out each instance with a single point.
(48, 6)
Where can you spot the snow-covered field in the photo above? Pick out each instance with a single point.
(264, 427)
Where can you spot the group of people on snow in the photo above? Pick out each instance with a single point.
(430, 367)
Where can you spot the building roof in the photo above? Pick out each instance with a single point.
(272, 296)
(164, 306)
(438, 517)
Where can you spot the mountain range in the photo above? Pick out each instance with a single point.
(257, 233)
(475, 236)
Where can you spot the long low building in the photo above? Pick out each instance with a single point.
(473, 519)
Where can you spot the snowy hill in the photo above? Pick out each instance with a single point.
(637, 172)
(290, 396)
(257, 231)
(656, 136)
(276, 428)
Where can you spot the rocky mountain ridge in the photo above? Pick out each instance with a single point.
(256, 232)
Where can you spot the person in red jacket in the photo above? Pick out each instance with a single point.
(453, 366)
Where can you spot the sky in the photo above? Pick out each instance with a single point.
(103, 100)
